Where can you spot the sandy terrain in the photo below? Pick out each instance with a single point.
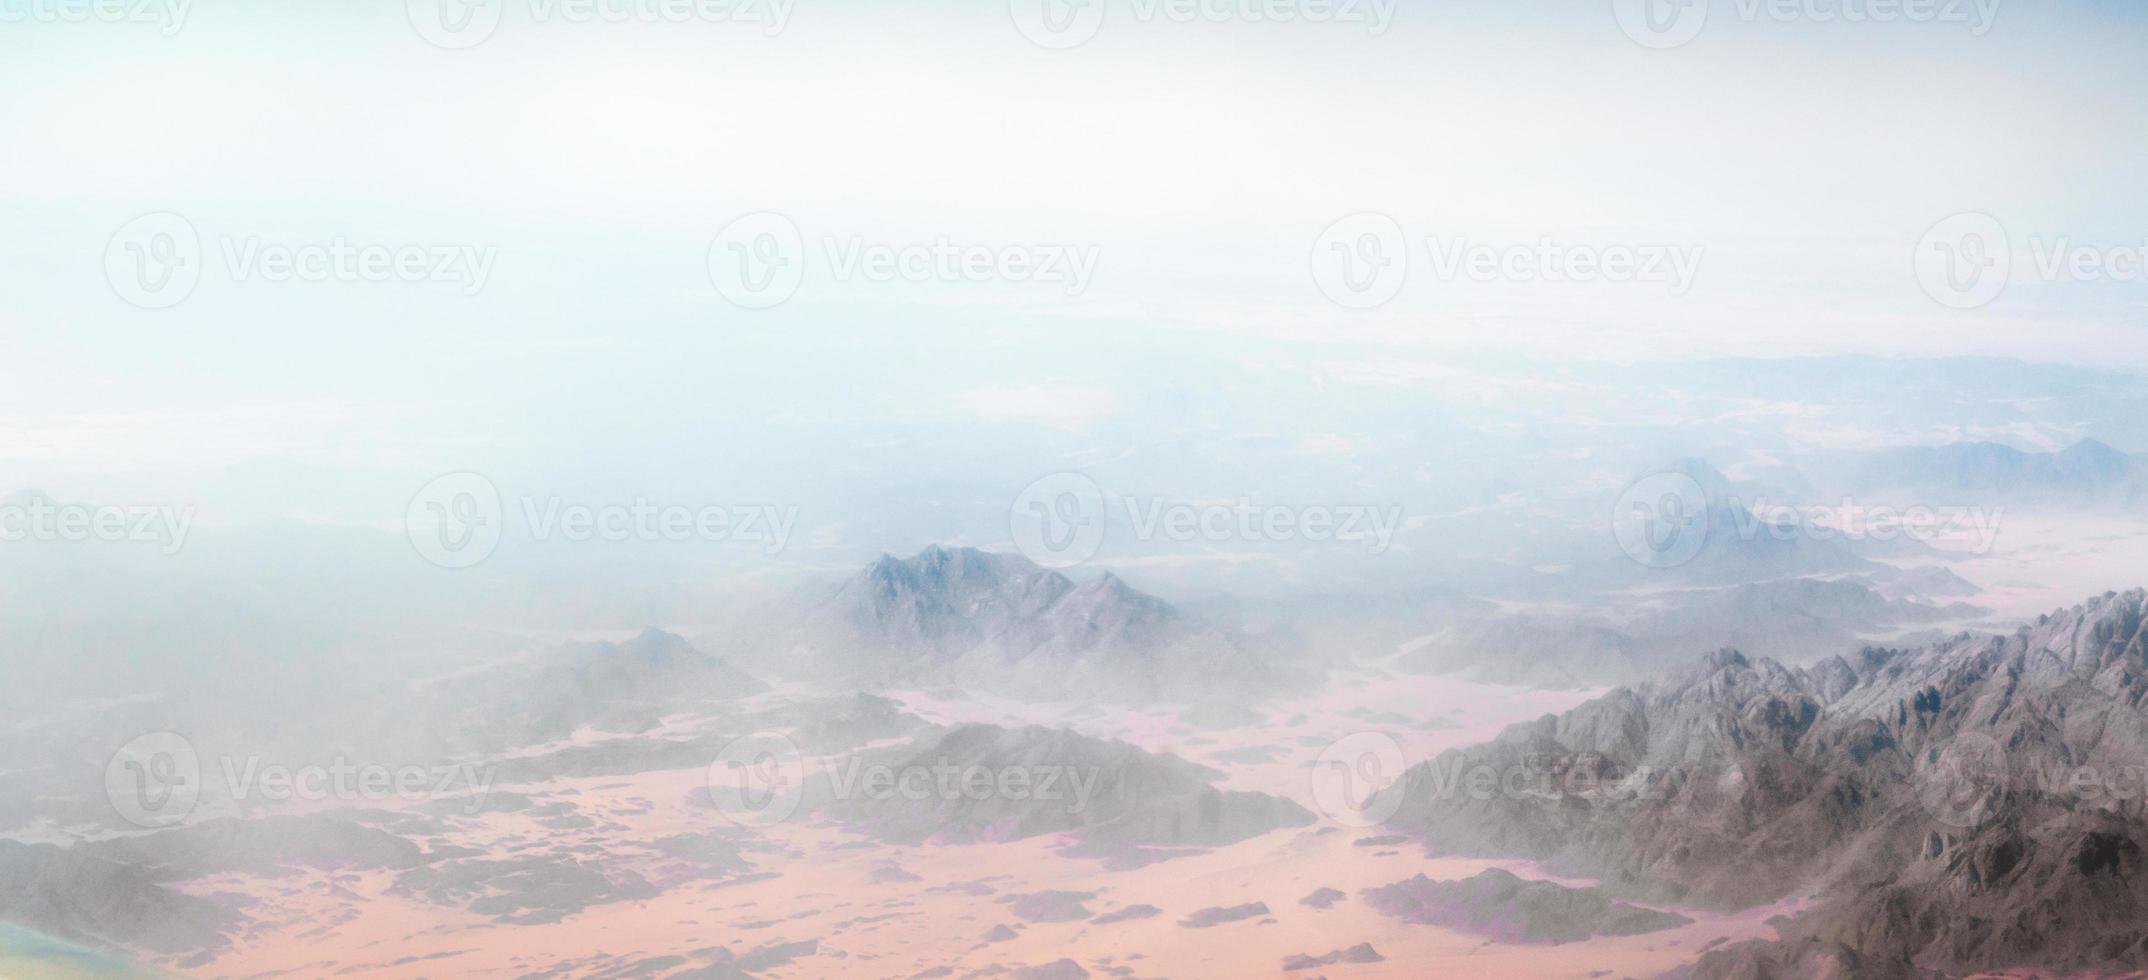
(891, 911)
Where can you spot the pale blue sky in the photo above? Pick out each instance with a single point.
(1201, 160)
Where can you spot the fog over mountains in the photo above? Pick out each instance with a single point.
(1003, 624)
(1073, 490)
(2088, 473)
(1924, 798)
(1771, 703)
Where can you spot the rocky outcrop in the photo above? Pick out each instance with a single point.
(1001, 623)
(1503, 908)
(1977, 804)
(981, 783)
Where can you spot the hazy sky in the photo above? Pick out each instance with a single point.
(1796, 162)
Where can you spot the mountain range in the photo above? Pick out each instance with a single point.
(1123, 804)
(2088, 472)
(1794, 620)
(1972, 805)
(1001, 623)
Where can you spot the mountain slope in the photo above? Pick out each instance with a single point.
(1988, 473)
(1001, 623)
(621, 687)
(1972, 805)
(1120, 800)
(1793, 620)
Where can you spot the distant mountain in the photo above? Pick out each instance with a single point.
(1974, 805)
(654, 665)
(621, 687)
(1929, 582)
(1121, 802)
(1990, 474)
(1794, 620)
(817, 725)
(87, 898)
(1685, 523)
(119, 892)
(1507, 909)
(940, 600)
(1344, 628)
(1003, 624)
